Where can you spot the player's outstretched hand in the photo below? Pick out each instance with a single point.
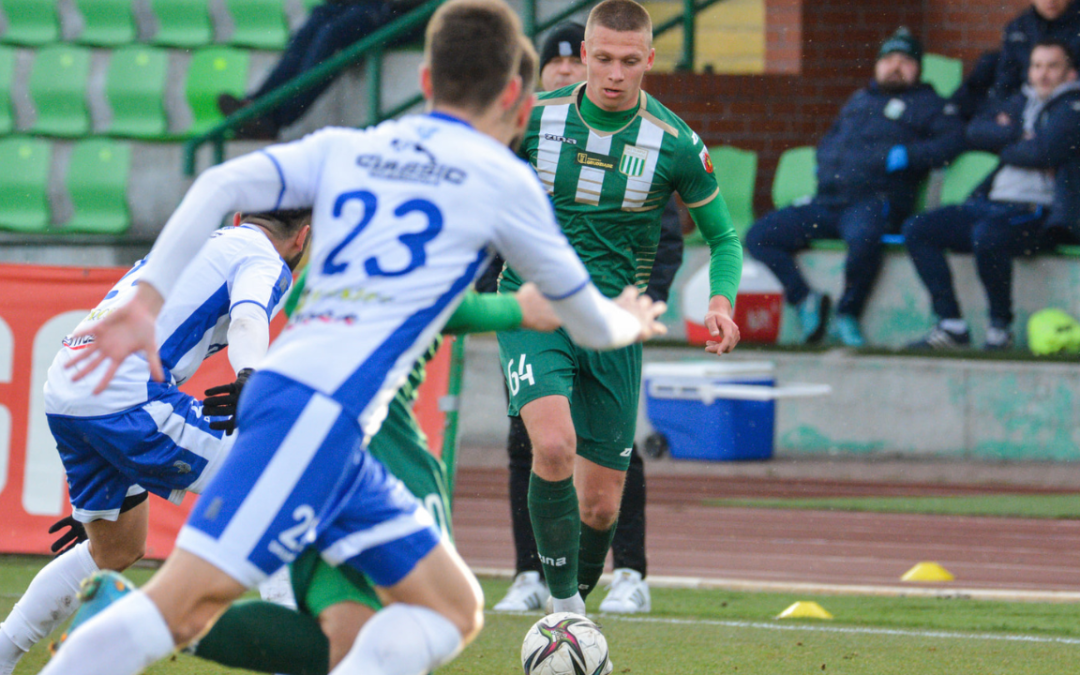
(536, 312)
(645, 310)
(126, 330)
(722, 327)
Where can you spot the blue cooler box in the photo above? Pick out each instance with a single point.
(681, 405)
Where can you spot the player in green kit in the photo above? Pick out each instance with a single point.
(610, 156)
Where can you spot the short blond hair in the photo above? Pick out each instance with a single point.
(620, 15)
(473, 48)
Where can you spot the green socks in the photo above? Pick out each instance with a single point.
(592, 556)
(553, 509)
(269, 638)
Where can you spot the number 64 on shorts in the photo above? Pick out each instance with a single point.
(515, 377)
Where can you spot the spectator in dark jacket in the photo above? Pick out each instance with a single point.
(1045, 19)
(870, 164)
(972, 96)
(1026, 204)
(331, 27)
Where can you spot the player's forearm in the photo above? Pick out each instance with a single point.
(249, 336)
(594, 322)
(248, 183)
(725, 261)
(484, 312)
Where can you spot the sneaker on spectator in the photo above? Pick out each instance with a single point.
(527, 593)
(846, 328)
(629, 593)
(998, 339)
(814, 316)
(941, 337)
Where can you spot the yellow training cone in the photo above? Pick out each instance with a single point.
(928, 571)
(804, 610)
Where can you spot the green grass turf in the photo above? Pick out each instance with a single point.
(706, 632)
(1004, 506)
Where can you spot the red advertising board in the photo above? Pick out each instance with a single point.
(39, 305)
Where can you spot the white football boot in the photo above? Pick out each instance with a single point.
(527, 593)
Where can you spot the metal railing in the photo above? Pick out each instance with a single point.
(372, 48)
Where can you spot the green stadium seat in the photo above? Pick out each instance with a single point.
(796, 176)
(31, 22)
(964, 175)
(259, 24)
(736, 173)
(97, 180)
(182, 23)
(214, 71)
(135, 89)
(106, 23)
(24, 184)
(58, 83)
(942, 73)
(7, 71)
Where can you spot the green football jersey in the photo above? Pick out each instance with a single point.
(610, 188)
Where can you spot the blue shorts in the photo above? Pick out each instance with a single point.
(299, 475)
(164, 446)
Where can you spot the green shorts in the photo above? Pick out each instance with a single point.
(602, 388)
(402, 447)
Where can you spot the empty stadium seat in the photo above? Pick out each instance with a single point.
(24, 184)
(106, 23)
(31, 22)
(97, 179)
(182, 23)
(58, 83)
(214, 71)
(135, 89)
(736, 172)
(942, 73)
(964, 175)
(796, 176)
(259, 24)
(7, 70)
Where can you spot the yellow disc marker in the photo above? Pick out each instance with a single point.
(928, 571)
(804, 610)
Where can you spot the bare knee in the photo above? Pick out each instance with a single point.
(118, 556)
(341, 623)
(599, 512)
(469, 620)
(553, 455)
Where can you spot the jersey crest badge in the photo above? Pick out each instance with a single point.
(706, 161)
(633, 159)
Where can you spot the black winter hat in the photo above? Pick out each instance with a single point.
(904, 42)
(563, 40)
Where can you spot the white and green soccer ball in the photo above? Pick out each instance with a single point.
(565, 644)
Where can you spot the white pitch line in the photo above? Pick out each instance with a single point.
(754, 586)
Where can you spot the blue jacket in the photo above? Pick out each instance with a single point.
(851, 158)
(1020, 37)
(1055, 145)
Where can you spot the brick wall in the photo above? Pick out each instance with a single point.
(818, 52)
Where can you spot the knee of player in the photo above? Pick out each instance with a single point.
(468, 619)
(554, 449)
(599, 514)
(118, 557)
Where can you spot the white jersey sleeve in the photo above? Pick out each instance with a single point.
(279, 177)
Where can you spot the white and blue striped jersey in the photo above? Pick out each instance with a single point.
(237, 265)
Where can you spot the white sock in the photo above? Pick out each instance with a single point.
(954, 325)
(123, 639)
(277, 588)
(51, 598)
(402, 640)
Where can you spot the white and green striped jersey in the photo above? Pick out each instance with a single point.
(609, 188)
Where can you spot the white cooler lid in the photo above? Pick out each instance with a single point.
(709, 370)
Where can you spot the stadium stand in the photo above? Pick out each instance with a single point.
(259, 24)
(24, 184)
(97, 178)
(942, 73)
(7, 70)
(964, 175)
(796, 176)
(738, 172)
(214, 71)
(135, 90)
(58, 87)
(182, 23)
(30, 22)
(106, 23)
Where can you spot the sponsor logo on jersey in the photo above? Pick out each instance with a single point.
(633, 159)
(78, 342)
(416, 172)
(595, 160)
(895, 108)
(560, 139)
(706, 160)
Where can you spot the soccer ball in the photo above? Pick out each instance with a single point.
(565, 644)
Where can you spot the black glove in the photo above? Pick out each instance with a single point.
(221, 402)
(70, 539)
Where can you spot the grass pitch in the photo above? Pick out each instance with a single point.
(706, 632)
(996, 505)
